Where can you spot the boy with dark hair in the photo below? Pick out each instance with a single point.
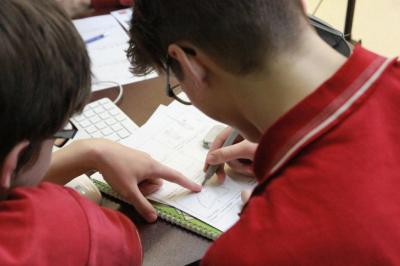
(45, 78)
(327, 127)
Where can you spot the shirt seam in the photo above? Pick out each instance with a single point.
(72, 193)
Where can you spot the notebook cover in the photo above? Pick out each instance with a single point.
(170, 214)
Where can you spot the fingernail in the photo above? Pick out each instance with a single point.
(198, 188)
(152, 217)
(211, 158)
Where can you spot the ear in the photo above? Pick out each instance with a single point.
(304, 5)
(192, 68)
(10, 163)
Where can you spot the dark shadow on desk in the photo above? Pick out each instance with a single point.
(164, 243)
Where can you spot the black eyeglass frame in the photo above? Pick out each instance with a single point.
(169, 90)
(65, 135)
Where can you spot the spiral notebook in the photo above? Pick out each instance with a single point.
(173, 136)
(167, 213)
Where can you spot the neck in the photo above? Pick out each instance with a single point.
(289, 79)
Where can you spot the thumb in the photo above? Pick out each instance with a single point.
(230, 153)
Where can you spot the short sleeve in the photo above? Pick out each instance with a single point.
(53, 225)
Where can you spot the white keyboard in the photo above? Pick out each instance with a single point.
(103, 119)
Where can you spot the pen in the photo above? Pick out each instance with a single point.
(212, 169)
(95, 38)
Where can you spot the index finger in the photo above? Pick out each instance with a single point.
(174, 176)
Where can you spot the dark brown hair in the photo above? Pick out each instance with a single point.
(44, 73)
(239, 34)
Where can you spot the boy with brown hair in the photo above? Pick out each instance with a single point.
(327, 127)
(45, 79)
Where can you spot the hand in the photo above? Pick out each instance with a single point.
(134, 174)
(238, 156)
(131, 173)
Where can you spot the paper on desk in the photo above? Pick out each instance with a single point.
(107, 53)
(173, 136)
(123, 16)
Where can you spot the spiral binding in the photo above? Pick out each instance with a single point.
(196, 229)
(163, 215)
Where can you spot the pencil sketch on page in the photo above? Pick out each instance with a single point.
(173, 136)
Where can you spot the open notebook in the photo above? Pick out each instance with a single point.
(167, 213)
(173, 136)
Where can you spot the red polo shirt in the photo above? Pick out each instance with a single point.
(53, 225)
(329, 177)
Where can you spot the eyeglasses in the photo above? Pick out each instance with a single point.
(62, 136)
(172, 91)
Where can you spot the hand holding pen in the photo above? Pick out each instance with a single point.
(229, 147)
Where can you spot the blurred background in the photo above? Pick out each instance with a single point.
(376, 22)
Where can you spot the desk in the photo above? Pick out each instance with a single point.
(163, 243)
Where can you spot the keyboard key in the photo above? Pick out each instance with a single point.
(86, 108)
(96, 134)
(110, 121)
(117, 127)
(104, 115)
(95, 119)
(99, 109)
(106, 131)
(79, 118)
(89, 113)
(114, 112)
(104, 101)
(91, 129)
(120, 117)
(101, 125)
(84, 123)
(108, 106)
(123, 133)
(94, 104)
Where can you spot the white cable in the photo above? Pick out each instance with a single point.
(121, 89)
(317, 7)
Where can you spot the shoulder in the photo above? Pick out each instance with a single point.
(253, 240)
(42, 224)
(275, 229)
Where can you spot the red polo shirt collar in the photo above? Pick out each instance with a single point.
(317, 113)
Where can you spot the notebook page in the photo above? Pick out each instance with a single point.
(123, 16)
(173, 136)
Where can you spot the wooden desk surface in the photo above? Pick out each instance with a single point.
(163, 243)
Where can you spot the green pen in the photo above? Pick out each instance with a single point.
(212, 169)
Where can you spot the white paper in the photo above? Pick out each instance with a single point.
(107, 53)
(123, 16)
(173, 136)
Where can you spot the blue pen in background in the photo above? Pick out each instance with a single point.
(95, 38)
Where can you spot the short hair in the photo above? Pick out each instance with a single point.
(238, 34)
(44, 74)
